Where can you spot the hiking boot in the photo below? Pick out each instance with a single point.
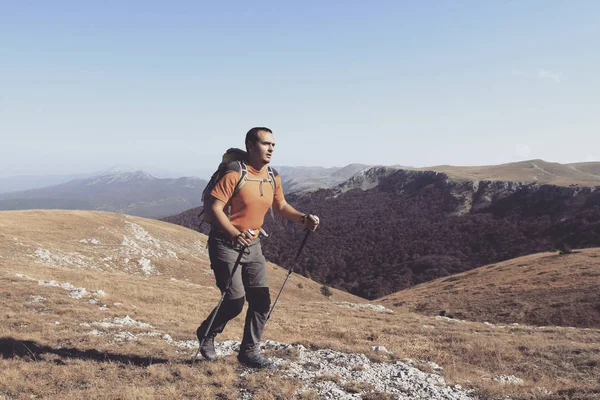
(207, 349)
(255, 360)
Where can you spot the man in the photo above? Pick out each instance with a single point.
(230, 234)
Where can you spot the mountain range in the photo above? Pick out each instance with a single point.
(135, 193)
(384, 228)
(387, 229)
(139, 193)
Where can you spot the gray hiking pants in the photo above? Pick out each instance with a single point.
(249, 280)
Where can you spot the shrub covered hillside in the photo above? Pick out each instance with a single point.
(417, 226)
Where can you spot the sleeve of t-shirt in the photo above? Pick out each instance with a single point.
(225, 186)
(279, 197)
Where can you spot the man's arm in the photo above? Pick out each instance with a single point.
(285, 210)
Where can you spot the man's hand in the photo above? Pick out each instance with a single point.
(244, 238)
(310, 221)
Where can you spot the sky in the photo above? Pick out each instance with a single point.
(85, 86)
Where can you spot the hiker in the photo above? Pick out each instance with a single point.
(239, 231)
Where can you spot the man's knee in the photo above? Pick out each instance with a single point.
(259, 298)
(234, 307)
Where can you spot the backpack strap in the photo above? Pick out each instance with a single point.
(272, 175)
(243, 177)
(240, 167)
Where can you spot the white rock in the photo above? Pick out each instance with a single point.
(398, 379)
(78, 293)
(373, 307)
(381, 349)
(508, 379)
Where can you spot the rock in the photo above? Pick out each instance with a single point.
(507, 379)
(381, 349)
(398, 379)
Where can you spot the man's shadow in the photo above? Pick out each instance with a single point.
(30, 350)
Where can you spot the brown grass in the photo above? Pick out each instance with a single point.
(42, 358)
(534, 171)
(539, 289)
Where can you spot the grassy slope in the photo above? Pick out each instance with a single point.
(48, 350)
(540, 171)
(538, 289)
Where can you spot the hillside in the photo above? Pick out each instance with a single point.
(133, 192)
(296, 179)
(592, 168)
(385, 230)
(532, 171)
(102, 305)
(115, 243)
(538, 289)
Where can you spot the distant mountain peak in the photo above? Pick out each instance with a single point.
(120, 177)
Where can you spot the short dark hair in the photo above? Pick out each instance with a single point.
(252, 135)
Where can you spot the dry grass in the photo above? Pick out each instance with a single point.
(43, 358)
(535, 171)
(539, 289)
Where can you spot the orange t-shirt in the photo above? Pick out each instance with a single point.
(249, 206)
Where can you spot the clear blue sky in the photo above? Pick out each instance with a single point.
(87, 85)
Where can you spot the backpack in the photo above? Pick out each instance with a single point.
(233, 160)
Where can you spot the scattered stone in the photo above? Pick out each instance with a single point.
(125, 336)
(544, 391)
(24, 277)
(433, 366)
(119, 322)
(373, 307)
(380, 349)
(62, 258)
(90, 241)
(146, 265)
(507, 379)
(400, 380)
(78, 293)
(439, 317)
(74, 292)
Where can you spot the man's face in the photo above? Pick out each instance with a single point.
(263, 148)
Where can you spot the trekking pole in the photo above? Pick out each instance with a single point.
(289, 272)
(212, 319)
